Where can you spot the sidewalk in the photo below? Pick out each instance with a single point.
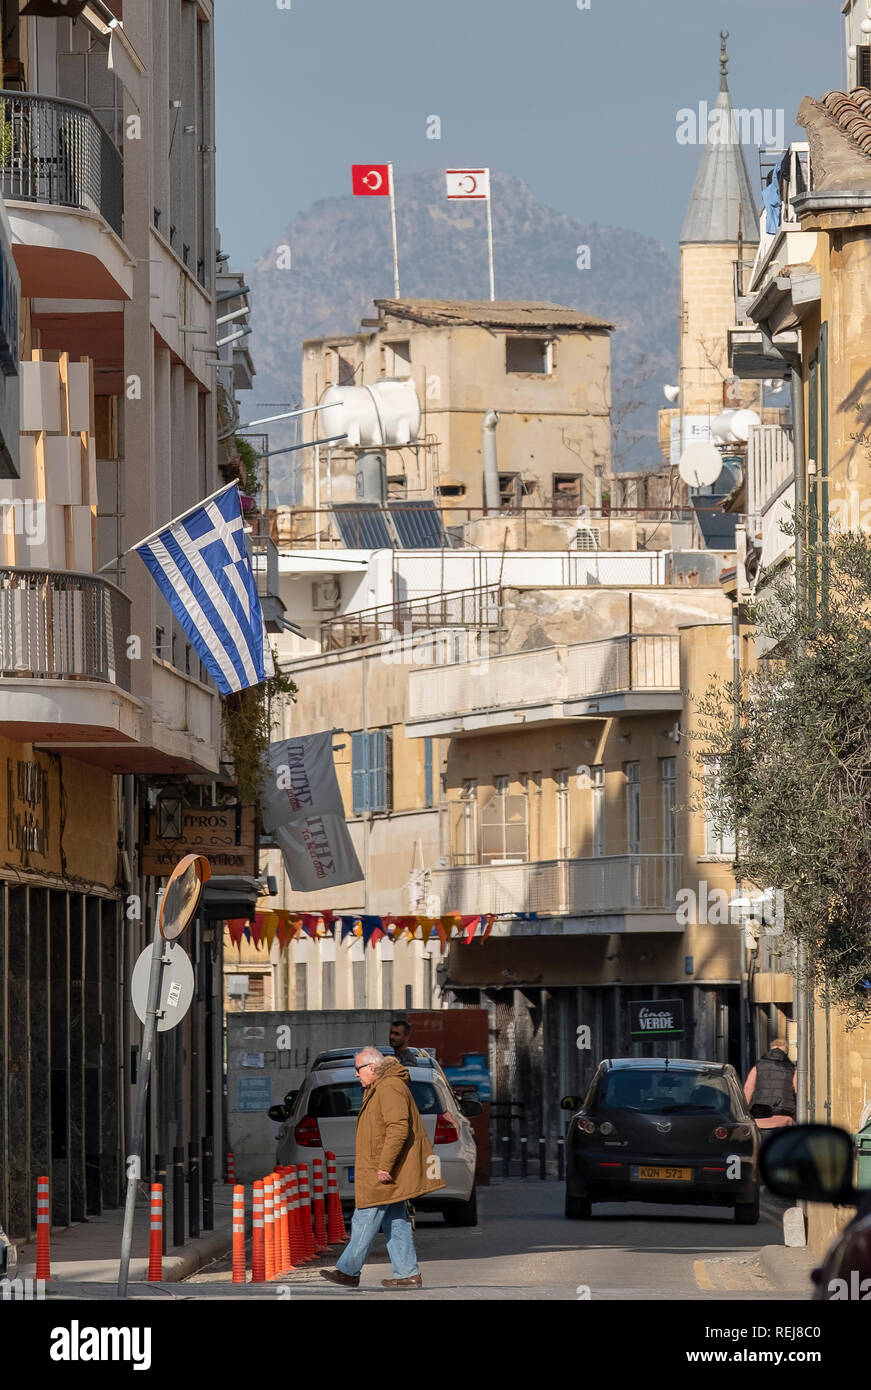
(89, 1252)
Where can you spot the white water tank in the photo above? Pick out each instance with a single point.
(387, 413)
(733, 426)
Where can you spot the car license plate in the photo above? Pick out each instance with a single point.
(663, 1174)
(350, 1175)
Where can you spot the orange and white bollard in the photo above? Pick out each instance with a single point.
(269, 1226)
(286, 1265)
(258, 1249)
(336, 1231)
(238, 1235)
(276, 1223)
(43, 1230)
(318, 1209)
(305, 1205)
(297, 1244)
(155, 1247)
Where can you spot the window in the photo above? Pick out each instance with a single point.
(668, 776)
(328, 984)
(509, 490)
(342, 1099)
(563, 848)
(504, 826)
(301, 982)
(428, 779)
(659, 1092)
(715, 843)
(387, 984)
(372, 771)
(342, 367)
(466, 831)
(397, 358)
(159, 641)
(863, 65)
(427, 981)
(633, 807)
(358, 968)
(528, 356)
(568, 493)
(597, 793)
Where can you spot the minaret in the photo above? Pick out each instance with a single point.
(722, 211)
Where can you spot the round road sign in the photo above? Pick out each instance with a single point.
(176, 988)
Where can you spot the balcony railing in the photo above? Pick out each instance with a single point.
(578, 887)
(56, 152)
(56, 625)
(476, 609)
(549, 675)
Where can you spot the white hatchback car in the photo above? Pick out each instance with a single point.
(323, 1118)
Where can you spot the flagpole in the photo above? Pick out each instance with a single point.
(490, 242)
(395, 245)
(174, 522)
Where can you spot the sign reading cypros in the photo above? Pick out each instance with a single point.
(226, 834)
(656, 1018)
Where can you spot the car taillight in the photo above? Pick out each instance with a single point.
(721, 1132)
(446, 1132)
(733, 1133)
(607, 1128)
(587, 1126)
(307, 1134)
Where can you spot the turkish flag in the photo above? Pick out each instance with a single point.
(370, 180)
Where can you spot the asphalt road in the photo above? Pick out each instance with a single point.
(524, 1248)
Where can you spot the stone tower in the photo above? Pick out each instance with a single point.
(722, 211)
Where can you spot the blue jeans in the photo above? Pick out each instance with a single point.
(365, 1225)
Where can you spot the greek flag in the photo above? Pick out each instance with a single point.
(201, 565)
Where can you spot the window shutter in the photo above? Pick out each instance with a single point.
(427, 772)
(377, 771)
(863, 65)
(359, 773)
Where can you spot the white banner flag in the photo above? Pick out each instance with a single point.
(468, 183)
(302, 807)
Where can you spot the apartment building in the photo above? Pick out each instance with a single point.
(545, 368)
(802, 317)
(108, 180)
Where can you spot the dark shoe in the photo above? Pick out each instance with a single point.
(335, 1276)
(414, 1281)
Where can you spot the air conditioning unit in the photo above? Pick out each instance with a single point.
(326, 595)
(237, 986)
(588, 538)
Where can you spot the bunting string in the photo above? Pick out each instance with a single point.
(284, 926)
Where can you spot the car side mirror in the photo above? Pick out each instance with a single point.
(470, 1106)
(289, 1100)
(278, 1113)
(810, 1161)
(570, 1103)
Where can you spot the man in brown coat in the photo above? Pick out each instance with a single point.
(393, 1163)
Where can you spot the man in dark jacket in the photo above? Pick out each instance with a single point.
(770, 1088)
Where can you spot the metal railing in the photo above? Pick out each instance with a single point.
(476, 608)
(56, 152)
(57, 625)
(302, 528)
(546, 675)
(582, 887)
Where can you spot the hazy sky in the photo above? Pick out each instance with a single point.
(580, 103)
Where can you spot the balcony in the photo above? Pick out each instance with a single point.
(64, 668)
(638, 890)
(62, 179)
(619, 675)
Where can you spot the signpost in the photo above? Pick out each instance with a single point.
(178, 904)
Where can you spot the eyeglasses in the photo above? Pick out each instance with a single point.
(364, 1066)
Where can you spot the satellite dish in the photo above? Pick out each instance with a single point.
(742, 423)
(700, 464)
(671, 393)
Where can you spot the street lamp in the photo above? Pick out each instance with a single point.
(178, 903)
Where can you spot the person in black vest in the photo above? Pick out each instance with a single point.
(770, 1088)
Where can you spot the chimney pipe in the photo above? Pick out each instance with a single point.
(492, 499)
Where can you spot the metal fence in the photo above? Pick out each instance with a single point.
(57, 625)
(56, 152)
(475, 608)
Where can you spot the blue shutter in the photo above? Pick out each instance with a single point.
(359, 773)
(377, 771)
(427, 772)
